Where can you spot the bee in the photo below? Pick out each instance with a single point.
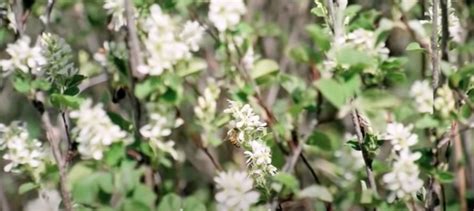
(233, 137)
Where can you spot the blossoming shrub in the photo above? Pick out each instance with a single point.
(236, 105)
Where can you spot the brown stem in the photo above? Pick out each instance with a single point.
(435, 65)
(213, 160)
(134, 57)
(367, 159)
(459, 166)
(54, 142)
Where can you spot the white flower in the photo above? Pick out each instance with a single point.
(444, 102)
(20, 150)
(94, 130)
(156, 130)
(23, 57)
(403, 180)
(192, 34)
(48, 200)
(116, 8)
(235, 191)
(400, 136)
(423, 94)
(259, 160)
(206, 106)
(250, 133)
(164, 44)
(365, 40)
(225, 14)
(244, 117)
(248, 59)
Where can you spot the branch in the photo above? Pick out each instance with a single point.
(134, 57)
(367, 159)
(459, 166)
(435, 48)
(213, 160)
(435, 65)
(54, 142)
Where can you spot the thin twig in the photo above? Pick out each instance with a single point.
(49, 10)
(213, 160)
(367, 159)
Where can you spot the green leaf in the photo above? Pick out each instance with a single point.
(115, 153)
(21, 85)
(320, 140)
(145, 88)
(414, 46)
(427, 121)
(354, 144)
(120, 121)
(144, 194)
(72, 91)
(194, 204)
(86, 190)
(317, 192)
(264, 67)
(41, 84)
(129, 175)
(351, 56)
(135, 205)
(77, 173)
(26, 187)
(75, 81)
(444, 176)
(170, 201)
(320, 36)
(288, 180)
(299, 54)
(61, 101)
(194, 66)
(105, 181)
(332, 91)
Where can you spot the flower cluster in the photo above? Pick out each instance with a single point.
(400, 136)
(166, 43)
(23, 57)
(422, 93)
(225, 14)
(20, 150)
(235, 191)
(116, 8)
(404, 179)
(444, 102)
(250, 131)
(156, 130)
(359, 39)
(366, 41)
(58, 55)
(94, 130)
(205, 109)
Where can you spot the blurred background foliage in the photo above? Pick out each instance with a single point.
(286, 33)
